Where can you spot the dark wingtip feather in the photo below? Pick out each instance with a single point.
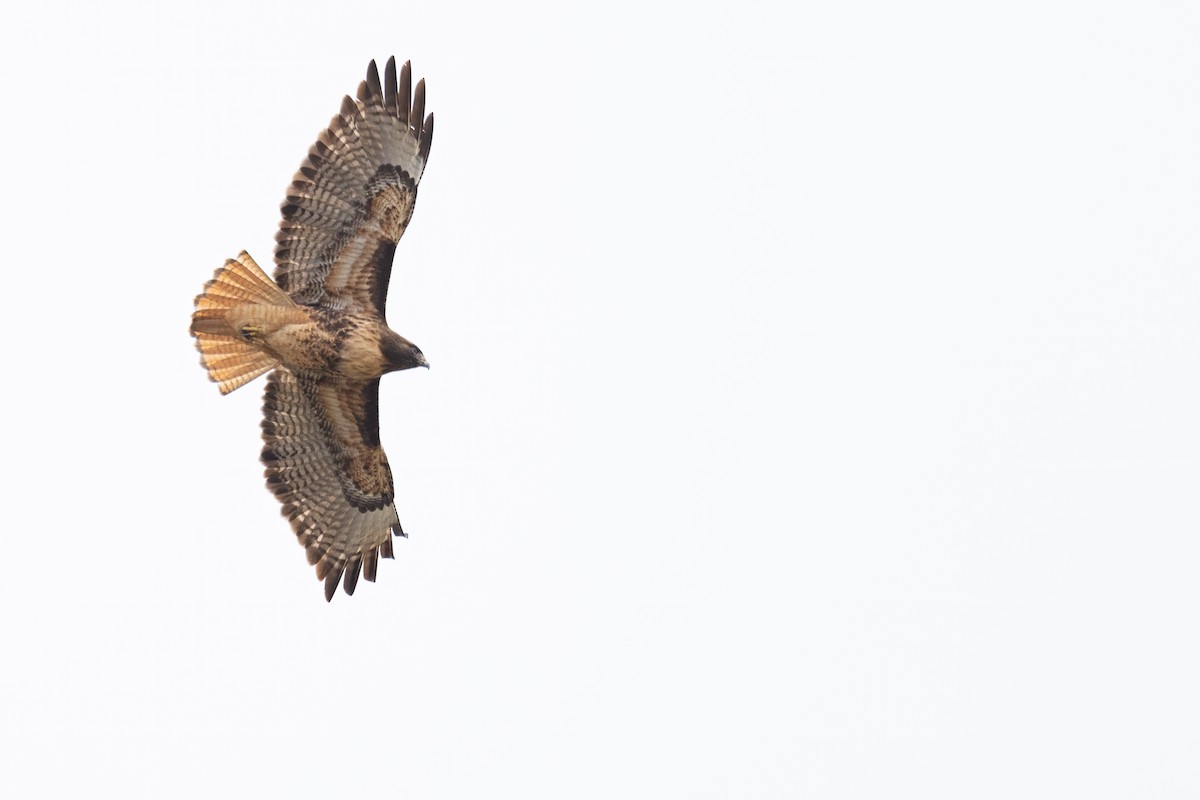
(418, 105)
(373, 92)
(331, 584)
(426, 137)
(351, 580)
(404, 92)
(389, 86)
(370, 564)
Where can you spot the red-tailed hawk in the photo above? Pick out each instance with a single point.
(320, 327)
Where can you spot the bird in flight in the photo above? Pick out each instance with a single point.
(320, 326)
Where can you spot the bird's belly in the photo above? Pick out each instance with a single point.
(345, 350)
(304, 347)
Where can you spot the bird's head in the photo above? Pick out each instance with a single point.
(400, 353)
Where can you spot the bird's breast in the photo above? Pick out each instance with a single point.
(361, 356)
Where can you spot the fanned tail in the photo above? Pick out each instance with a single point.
(231, 361)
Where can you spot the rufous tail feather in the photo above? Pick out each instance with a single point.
(230, 360)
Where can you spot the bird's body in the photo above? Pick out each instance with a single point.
(320, 327)
(324, 343)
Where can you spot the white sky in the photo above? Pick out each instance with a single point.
(813, 409)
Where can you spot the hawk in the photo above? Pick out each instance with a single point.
(321, 330)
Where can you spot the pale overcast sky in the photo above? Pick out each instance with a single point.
(813, 408)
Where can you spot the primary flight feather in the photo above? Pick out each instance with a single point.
(320, 327)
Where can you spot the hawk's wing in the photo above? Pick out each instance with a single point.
(353, 196)
(326, 466)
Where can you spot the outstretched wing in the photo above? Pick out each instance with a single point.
(326, 466)
(350, 202)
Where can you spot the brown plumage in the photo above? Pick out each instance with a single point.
(321, 326)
